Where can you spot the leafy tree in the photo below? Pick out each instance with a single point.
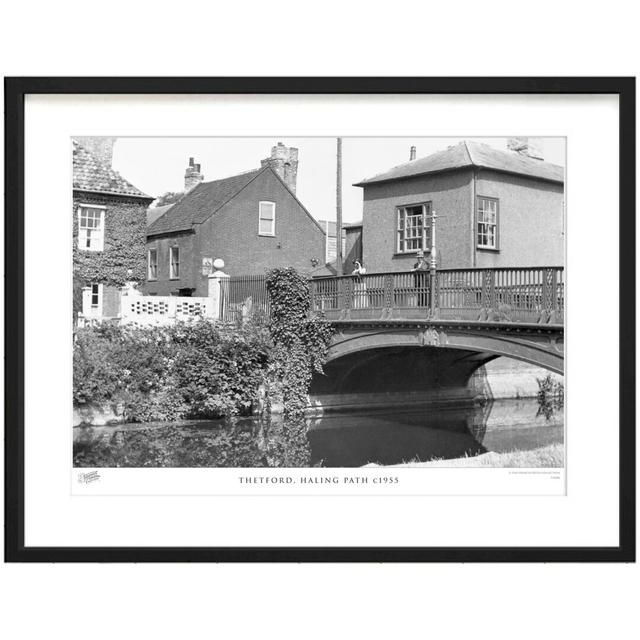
(169, 197)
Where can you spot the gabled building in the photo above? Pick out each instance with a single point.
(253, 221)
(494, 208)
(109, 224)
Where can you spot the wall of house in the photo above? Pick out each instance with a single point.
(451, 197)
(124, 245)
(530, 221)
(232, 234)
(164, 285)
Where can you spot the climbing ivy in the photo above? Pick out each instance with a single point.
(300, 348)
(124, 249)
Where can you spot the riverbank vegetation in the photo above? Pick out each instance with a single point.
(550, 396)
(550, 456)
(208, 370)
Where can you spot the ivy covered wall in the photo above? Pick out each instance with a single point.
(124, 244)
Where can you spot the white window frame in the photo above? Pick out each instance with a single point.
(487, 223)
(97, 239)
(89, 309)
(173, 276)
(425, 234)
(260, 218)
(149, 276)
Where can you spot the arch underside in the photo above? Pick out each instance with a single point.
(542, 347)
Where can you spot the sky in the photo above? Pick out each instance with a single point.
(157, 165)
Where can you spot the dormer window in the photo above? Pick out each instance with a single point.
(90, 227)
(267, 219)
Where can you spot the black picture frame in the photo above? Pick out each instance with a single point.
(15, 91)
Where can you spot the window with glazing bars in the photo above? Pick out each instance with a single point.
(487, 216)
(90, 228)
(95, 295)
(414, 228)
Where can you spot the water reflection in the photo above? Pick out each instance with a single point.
(422, 434)
(394, 436)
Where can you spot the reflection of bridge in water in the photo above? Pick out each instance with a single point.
(399, 334)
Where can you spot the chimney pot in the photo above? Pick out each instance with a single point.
(412, 153)
(284, 161)
(192, 176)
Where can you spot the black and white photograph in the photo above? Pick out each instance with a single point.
(318, 302)
(366, 316)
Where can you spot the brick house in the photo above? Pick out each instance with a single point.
(494, 208)
(253, 221)
(109, 220)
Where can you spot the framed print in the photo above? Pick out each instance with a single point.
(320, 319)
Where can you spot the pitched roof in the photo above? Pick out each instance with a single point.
(153, 213)
(200, 203)
(90, 174)
(471, 154)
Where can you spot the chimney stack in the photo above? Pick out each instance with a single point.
(192, 176)
(100, 147)
(526, 146)
(412, 154)
(284, 161)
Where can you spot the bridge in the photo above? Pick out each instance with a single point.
(438, 326)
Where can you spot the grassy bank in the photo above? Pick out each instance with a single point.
(551, 456)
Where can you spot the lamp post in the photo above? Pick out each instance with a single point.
(433, 265)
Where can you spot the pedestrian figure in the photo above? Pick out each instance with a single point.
(421, 269)
(361, 299)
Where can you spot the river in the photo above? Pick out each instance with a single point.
(394, 436)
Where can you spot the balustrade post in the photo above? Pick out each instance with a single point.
(388, 296)
(550, 294)
(489, 292)
(346, 296)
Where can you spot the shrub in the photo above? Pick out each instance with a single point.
(188, 370)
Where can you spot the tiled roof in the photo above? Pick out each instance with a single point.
(90, 174)
(472, 154)
(200, 203)
(153, 213)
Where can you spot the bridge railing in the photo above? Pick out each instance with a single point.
(533, 294)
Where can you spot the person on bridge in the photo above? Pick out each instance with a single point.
(421, 269)
(360, 299)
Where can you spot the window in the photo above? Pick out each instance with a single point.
(92, 300)
(95, 296)
(414, 228)
(90, 228)
(267, 219)
(174, 263)
(487, 223)
(153, 264)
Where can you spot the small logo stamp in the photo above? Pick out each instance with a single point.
(88, 477)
